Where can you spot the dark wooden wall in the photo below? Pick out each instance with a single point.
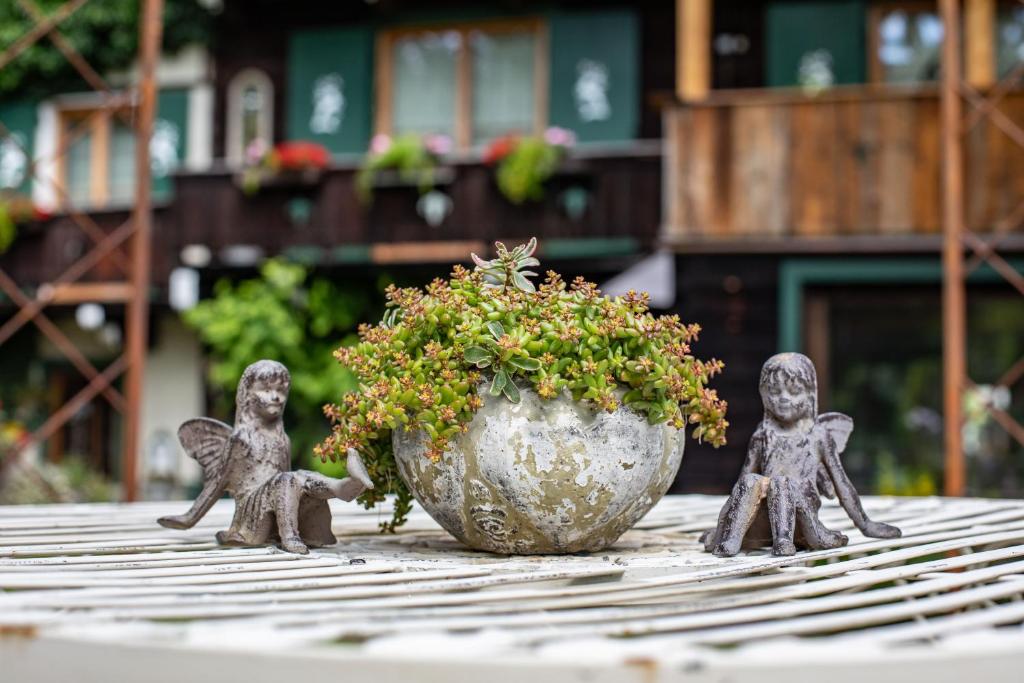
(734, 299)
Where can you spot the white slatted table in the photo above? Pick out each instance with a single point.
(101, 593)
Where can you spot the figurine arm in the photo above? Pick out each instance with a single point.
(848, 497)
(213, 488)
(755, 453)
(212, 491)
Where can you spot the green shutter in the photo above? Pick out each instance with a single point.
(595, 74)
(19, 118)
(796, 30)
(170, 131)
(323, 63)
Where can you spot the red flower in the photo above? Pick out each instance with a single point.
(500, 148)
(300, 154)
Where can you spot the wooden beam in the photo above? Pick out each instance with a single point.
(426, 252)
(384, 73)
(980, 42)
(954, 309)
(83, 292)
(693, 49)
(137, 322)
(464, 94)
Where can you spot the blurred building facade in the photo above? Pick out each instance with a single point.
(773, 165)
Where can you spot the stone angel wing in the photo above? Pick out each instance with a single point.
(838, 427)
(205, 440)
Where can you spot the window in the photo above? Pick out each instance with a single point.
(250, 113)
(905, 43)
(1010, 39)
(99, 165)
(883, 366)
(471, 82)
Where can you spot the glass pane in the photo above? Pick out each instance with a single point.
(252, 110)
(1010, 39)
(121, 174)
(503, 84)
(424, 83)
(909, 46)
(77, 174)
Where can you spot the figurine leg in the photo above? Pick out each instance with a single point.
(782, 515)
(315, 522)
(230, 537)
(287, 512)
(711, 537)
(815, 535)
(739, 513)
(319, 486)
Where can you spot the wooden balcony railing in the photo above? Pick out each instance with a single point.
(617, 195)
(762, 166)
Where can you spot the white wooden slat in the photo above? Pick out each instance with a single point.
(107, 572)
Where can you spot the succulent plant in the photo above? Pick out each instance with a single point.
(422, 367)
(507, 268)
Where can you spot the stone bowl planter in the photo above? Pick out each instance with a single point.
(542, 477)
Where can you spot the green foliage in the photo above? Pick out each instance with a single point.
(524, 170)
(105, 32)
(70, 481)
(410, 155)
(8, 230)
(425, 367)
(285, 317)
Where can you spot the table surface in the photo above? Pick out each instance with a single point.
(100, 592)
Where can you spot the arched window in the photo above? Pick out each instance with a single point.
(250, 113)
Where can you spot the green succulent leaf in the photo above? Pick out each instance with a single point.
(528, 364)
(499, 383)
(511, 392)
(522, 283)
(476, 354)
(497, 331)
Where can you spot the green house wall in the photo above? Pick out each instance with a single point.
(19, 118)
(585, 45)
(796, 28)
(172, 111)
(345, 53)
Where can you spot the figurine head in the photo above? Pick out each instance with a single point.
(789, 389)
(263, 391)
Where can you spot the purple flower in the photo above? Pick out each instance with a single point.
(380, 144)
(559, 137)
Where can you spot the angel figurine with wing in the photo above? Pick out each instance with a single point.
(251, 463)
(792, 460)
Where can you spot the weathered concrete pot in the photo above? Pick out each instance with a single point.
(543, 476)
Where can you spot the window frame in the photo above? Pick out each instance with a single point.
(876, 10)
(100, 127)
(383, 118)
(234, 127)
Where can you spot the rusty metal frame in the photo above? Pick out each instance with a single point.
(137, 109)
(957, 238)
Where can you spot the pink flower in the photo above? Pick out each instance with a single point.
(255, 152)
(559, 137)
(438, 144)
(380, 143)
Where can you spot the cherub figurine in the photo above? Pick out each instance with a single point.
(792, 460)
(251, 462)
